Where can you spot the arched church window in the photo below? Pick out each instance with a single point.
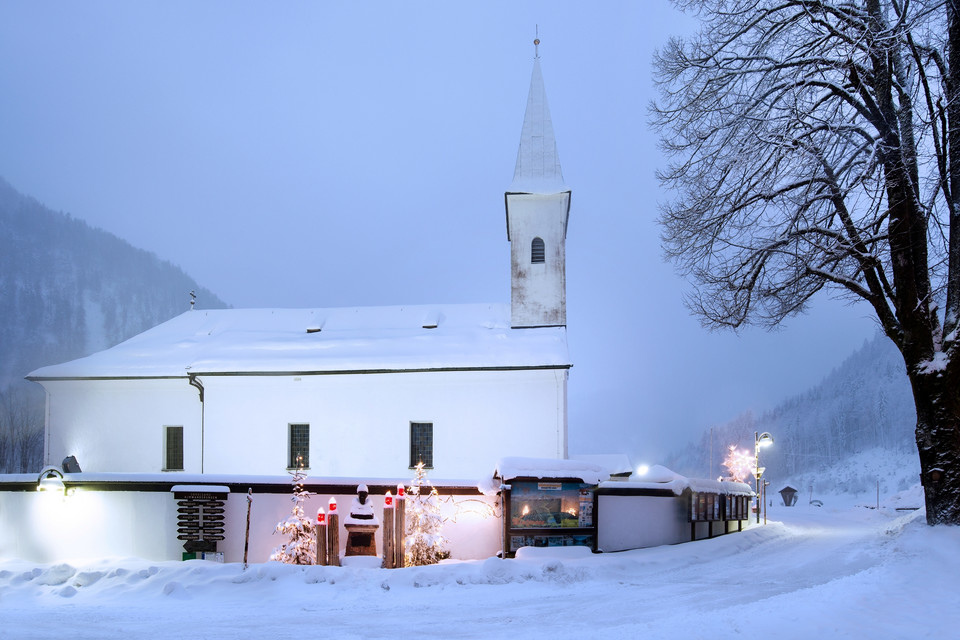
(537, 251)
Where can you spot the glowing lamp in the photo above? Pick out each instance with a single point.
(332, 506)
(51, 479)
(321, 517)
(401, 492)
(388, 501)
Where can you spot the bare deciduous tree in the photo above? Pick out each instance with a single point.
(816, 145)
(21, 432)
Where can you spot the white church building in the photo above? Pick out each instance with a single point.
(179, 441)
(343, 392)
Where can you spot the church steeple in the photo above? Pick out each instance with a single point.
(538, 164)
(538, 206)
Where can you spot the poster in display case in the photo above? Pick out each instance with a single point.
(550, 514)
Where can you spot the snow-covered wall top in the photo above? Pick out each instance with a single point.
(660, 477)
(325, 340)
(613, 463)
(517, 467)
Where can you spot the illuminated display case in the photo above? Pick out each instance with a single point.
(549, 513)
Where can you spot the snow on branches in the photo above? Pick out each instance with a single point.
(425, 543)
(740, 464)
(301, 546)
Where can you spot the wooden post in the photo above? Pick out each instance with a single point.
(400, 536)
(246, 536)
(389, 529)
(333, 534)
(321, 537)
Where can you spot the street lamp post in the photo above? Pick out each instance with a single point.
(760, 440)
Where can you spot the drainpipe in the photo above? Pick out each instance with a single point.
(195, 382)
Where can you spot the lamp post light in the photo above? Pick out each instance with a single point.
(760, 440)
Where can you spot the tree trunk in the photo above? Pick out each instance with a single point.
(937, 402)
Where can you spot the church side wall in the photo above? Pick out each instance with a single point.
(117, 425)
(360, 423)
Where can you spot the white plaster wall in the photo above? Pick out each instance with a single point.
(360, 423)
(538, 291)
(634, 522)
(48, 527)
(117, 425)
(472, 525)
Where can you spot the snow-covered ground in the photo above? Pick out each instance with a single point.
(838, 571)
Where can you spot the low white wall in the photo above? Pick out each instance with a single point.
(634, 522)
(48, 527)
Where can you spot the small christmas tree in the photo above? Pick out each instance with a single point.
(425, 543)
(301, 547)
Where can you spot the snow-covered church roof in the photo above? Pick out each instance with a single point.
(303, 341)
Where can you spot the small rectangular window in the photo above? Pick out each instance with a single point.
(299, 446)
(173, 448)
(421, 444)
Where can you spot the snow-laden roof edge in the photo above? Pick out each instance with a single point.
(513, 467)
(324, 340)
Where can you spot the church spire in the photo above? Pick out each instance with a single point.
(538, 205)
(538, 164)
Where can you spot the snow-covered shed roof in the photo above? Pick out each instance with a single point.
(615, 464)
(659, 477)
(303, 341)
(519, 467)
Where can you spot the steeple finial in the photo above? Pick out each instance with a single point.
(536, 43)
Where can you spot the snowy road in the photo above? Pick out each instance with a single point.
(827, 573)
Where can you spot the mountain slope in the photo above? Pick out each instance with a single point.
(68, 290)
(865, 403)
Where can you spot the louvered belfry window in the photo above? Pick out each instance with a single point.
(536, 251)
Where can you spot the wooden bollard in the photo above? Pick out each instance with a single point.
(321, 537)
(400, 535)
(246, 535)
(333, 534)
(389, 523)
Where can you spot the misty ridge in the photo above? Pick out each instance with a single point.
(822, 436)
(68, 290)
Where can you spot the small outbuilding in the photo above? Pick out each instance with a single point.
(789, 496)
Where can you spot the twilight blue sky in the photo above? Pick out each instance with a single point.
(308, 154)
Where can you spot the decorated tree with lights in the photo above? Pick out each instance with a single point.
(301, 546)
(740, 464)
(425, 543)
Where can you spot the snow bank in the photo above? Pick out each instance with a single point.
(810, 573)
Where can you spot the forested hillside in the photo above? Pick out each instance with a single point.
(863, 404)
(68, 290)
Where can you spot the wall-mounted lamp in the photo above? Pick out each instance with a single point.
(51, 479)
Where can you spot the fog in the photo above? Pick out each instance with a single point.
(341, 154)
